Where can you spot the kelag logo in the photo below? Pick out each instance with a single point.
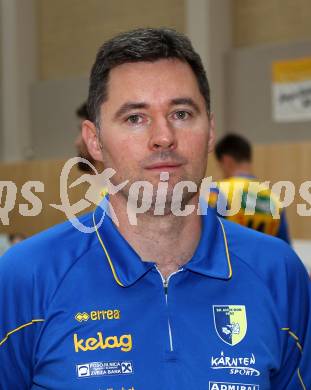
(92, 343)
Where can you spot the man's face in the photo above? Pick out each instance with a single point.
(154, 121)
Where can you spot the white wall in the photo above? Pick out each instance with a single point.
(303, 249)
(18, 71)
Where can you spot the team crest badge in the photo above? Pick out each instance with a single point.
(230, 323)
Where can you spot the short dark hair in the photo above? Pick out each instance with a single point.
(143, 44)
(82, 111)
(14, 236)
(235, 146)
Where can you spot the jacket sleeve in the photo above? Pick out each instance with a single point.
(295, 332)
(20, 320)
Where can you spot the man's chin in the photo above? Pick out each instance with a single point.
(161, 205)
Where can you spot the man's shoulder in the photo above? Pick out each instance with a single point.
(57, 248)
(262, 253)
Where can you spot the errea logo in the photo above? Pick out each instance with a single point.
(98, 315)
(82, 317)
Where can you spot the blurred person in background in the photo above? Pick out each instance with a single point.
(15, 238)
(234, 155)
(4, 243)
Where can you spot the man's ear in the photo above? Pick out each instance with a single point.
(89, 135)
(211, 133)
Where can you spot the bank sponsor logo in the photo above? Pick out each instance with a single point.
(98, 315)
(230, 323)
(124, 342)
(232, 386)
(235, 365)
(92, 369)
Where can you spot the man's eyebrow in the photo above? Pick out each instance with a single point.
(128, 106)
(185, 101)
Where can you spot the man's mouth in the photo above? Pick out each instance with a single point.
(164, 166)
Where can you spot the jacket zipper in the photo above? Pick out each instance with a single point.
(165, 287)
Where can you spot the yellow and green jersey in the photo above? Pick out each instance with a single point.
(244, 200)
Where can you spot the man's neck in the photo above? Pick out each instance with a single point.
(167, 240)
(243, 169)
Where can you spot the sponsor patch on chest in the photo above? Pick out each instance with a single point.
(124, 342)
(232, 386)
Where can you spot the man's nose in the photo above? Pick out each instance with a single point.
(163, 136)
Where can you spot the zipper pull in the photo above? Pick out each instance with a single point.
(165, 285)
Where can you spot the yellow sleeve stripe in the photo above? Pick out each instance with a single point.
(107, 255)
(227, 248)
(19, 328)
(299, 346)
(301, 381)
(295, 337)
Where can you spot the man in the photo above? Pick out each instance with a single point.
(240, 189)
(173, 302)
(15, 238)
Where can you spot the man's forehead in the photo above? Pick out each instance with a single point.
(148, 68)
(162, 80)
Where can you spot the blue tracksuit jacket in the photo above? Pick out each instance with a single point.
(82, 311)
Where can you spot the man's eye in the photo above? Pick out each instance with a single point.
(134, 119)
(181, 115)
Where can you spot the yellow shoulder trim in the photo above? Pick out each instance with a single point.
(295, 337)
(227, 248)
(19, 328)
(107, 254)
(299, 346)
(301, 381)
